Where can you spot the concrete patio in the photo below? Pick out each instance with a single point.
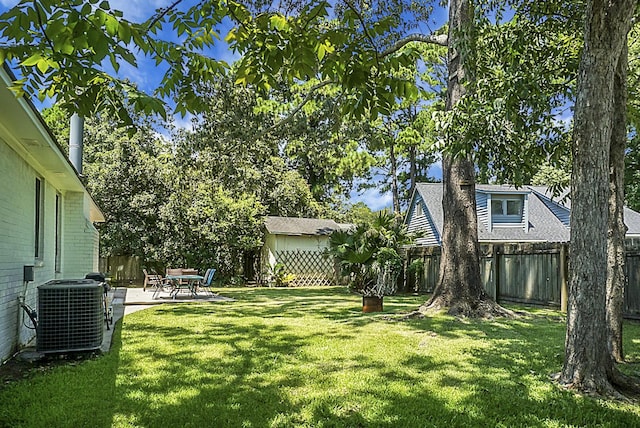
(136, 296)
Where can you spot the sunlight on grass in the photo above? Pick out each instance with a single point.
(310, 357)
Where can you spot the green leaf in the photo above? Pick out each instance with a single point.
(66, 48)
(124, 32)
(279, 22)
(43, 65)
(231, 36)
(111, 24)
(86, 9)
(321, 52)
(114, 63)
(32, 60)
(101, 48)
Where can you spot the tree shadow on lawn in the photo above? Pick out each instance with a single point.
(259, 378)
(67, 395)
(506, 378)
(206, 367)
(240, 382)
(256, 372)
(332, 303)
(187, 376)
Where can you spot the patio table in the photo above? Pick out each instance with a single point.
(179, 281)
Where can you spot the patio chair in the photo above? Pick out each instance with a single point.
(151, 279)
(158, 282)
(174, 272)
(189, 271)
(207, 281)
(204, 277)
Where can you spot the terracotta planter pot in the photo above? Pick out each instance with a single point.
(371, 304)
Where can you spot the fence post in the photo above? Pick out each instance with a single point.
(498, 250)
(405, 279)
(564, 291)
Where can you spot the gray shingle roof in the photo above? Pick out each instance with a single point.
(300, 226)
(548, 216)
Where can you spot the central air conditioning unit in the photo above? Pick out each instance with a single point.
(70, 316)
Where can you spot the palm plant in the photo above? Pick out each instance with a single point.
(369, 255)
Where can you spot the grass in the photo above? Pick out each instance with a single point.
(309, 357)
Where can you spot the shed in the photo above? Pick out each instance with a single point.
(299, 245)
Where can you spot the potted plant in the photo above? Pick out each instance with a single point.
(368, 256)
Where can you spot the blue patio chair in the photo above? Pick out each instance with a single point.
(207, 281)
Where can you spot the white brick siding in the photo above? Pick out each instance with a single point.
(79, 243)
(79, 239)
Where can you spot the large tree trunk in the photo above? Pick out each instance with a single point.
(617, 228)
(588, 365)
(413, 170)
(394, 178)
(459, 289)
(413, 155)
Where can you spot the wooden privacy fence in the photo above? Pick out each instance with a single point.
(122, 268)
(631, 307)
(523, 273)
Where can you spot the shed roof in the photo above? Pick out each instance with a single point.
(300, 226)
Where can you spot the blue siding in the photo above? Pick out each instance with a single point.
(423, 223)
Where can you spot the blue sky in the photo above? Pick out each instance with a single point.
(147, 75)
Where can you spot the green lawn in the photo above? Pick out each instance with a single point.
(309, 357)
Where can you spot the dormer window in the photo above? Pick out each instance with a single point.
(507, 209)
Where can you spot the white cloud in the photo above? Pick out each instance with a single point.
(374, 199)
(147, 75)
(137, 10)
(183, 122)
(435, 170)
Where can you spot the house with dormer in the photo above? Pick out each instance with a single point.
(524, 235)
(506, 214)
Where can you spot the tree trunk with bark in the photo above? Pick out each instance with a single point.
(588, 365)
(394, 177)
(460, 289)
(617, 229)
(413, 170)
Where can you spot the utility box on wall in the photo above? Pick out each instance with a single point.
(28, 273)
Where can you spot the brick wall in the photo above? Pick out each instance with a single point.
(17, 196)
(79, 242)
(80, 238)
